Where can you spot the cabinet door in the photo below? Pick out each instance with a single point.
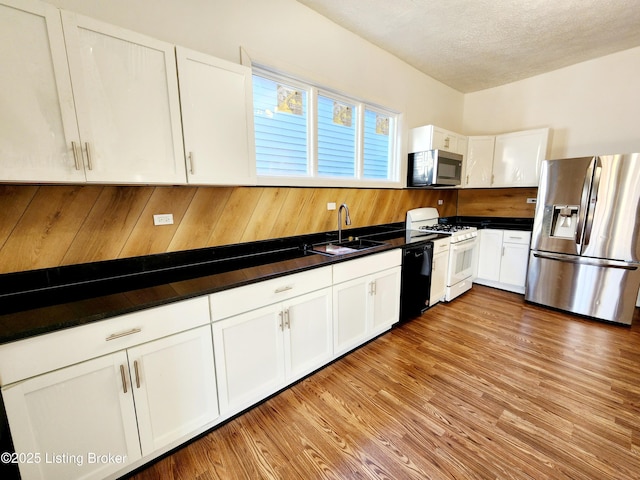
(489, 254)
(479, 162)
(216, 101)
(513, 266)
(350, 309)
(37, 123)
(308, 333)
(518, 157)
(463, 144)
(174, 386)
(77, 411)
(126, 92)
(249, 355)
(385, 298)
(439, 277)
(445, 140)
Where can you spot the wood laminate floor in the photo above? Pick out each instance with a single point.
(485, 387)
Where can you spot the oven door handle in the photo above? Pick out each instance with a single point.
(464, 243)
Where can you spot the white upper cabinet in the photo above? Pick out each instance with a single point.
(429, 137)
(85, 101)
(506, 160)
(38, 127)
(216, 98)
(478, 164)
(126, 91)
(518, 156)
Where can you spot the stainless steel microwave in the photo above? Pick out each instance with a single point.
(434, 168)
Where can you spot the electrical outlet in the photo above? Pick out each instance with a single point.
(531, 200)
(331, 206)
(163, 219)
(440, 202)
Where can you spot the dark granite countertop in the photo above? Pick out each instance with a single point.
(500, 223)
(42, 301)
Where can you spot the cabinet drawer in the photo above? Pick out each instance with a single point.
(441, 245)
(44, 353)
(360, 267)
(516, 236)
(243, 299)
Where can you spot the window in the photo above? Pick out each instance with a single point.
(377, 147)
(308, 136)
(280, 118)
(336, 138)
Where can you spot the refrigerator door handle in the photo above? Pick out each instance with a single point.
(594, 262)
(584, 202)
(593, 198)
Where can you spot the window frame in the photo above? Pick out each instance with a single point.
(312, 178)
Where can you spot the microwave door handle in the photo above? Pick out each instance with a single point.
(593, 199)
(584, 202)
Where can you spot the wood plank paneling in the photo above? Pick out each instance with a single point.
(14, 202)
(61, 225)
(201, 219)
(48, 227)
(109, 224)
(147, 238)
(497, 202)
(235, 215)
(260, 221)
(484, 387)
(296, 202)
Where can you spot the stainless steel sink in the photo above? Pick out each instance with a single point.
(344, 247)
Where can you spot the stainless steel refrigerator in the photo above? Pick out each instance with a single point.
(585, 250)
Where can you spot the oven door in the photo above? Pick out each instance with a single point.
(461, 260)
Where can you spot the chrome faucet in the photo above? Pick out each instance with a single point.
(347, 220)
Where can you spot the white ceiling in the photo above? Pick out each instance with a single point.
(472, 45)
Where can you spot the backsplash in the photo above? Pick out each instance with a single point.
(497, 202)
(55, 225)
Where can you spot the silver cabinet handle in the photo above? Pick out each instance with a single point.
(283, 289)
(76, 157)
(281, 324)
(89, 156)
(135, 368)
(287, 323)
(113, 336)
(192, 166)
(124, 379)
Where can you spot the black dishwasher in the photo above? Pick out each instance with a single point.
(416, 279)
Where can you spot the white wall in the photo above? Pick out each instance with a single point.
(592, 107)
(293, 38)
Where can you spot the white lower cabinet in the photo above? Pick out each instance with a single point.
(64, 417)
(174, 387)
(366, 298)
(260, 351)
(82, 416)
(101, 399)
(94, 418)
(502, 259)
(439, 267)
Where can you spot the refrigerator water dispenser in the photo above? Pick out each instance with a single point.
(565, 219)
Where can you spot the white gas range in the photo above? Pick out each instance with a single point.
(422, 222)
